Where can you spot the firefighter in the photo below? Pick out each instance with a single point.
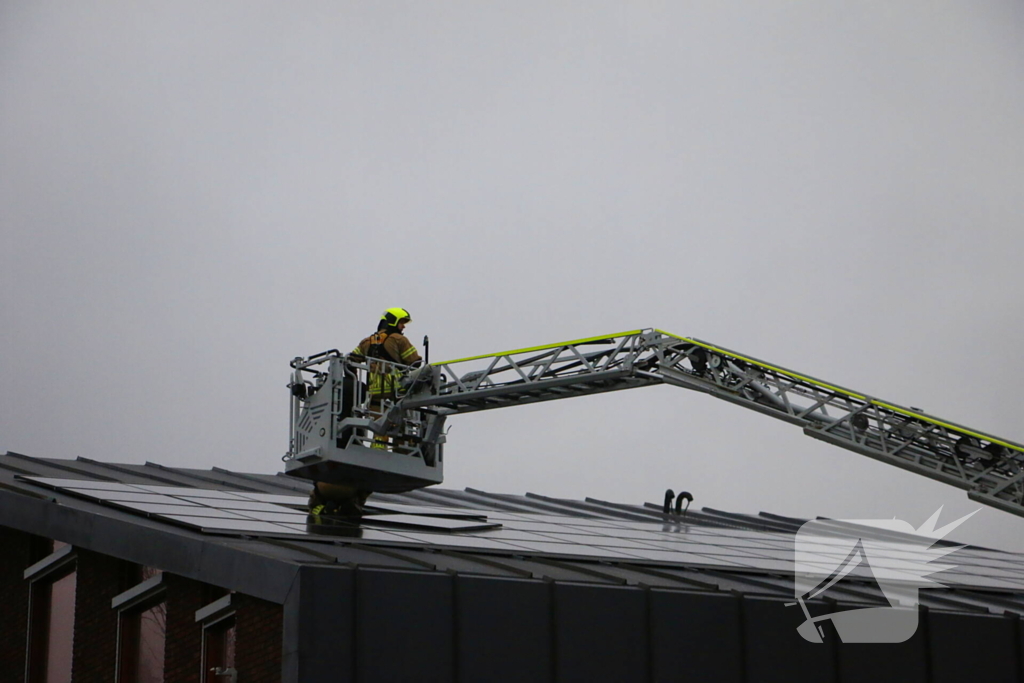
(390, 345)
(387, 344)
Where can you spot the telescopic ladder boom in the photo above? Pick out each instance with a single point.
(336, 442)
(991, 469)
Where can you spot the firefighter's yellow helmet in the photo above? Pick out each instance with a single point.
(394, 316)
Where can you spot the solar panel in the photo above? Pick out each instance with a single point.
(350, 532)
(233, 504)
(251, 526)
(190, 492)
(507, 534)
(275, 498)
(158, 509)
(681, 557)
(79, 484)
(433, 523)
(135, 496)
(426, 511)
(577, 550)
(457, 541)
(276, 516)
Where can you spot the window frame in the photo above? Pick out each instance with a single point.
(133, 602)
(41, 576)
(213, 617)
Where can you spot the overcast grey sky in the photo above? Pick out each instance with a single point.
(191, 194)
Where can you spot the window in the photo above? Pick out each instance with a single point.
(143, 634)
(219, 651)
(218, 620)
(142, 629)
(51, 629)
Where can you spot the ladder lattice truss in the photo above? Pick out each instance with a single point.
(989, 468)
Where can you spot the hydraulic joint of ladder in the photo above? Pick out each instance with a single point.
(692, 367)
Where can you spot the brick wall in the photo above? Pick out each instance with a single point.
(99, 579)
(258, 639)
(16, 554)
(258, 623)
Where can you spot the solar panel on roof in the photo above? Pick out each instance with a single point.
(577, 550)
(433, 523)
(421, 538)
(230, 524)
(253, 513)
(130, 496)
(191, 492)
(249, 513)
(687, 558)
(595, 541)
(233, 504)
(426, 511)
(283, 516)
(350, 532)
(984, 580)
(163, 509)
(275, 498)
(79, 483)
(507, 534)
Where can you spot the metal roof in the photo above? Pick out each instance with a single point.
(540, 537)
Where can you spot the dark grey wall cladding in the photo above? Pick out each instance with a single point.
(345, 624)
(405, 626)
(695, 637)
(600, 633)
(503, 630)
(905, 662)
(319, 626)
(775, 652)
(973, 648)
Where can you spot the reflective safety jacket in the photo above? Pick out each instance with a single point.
(393, 347)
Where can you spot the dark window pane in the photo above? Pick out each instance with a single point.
(62, 630)
(128, 648)
(152, 637)
(143, 638)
